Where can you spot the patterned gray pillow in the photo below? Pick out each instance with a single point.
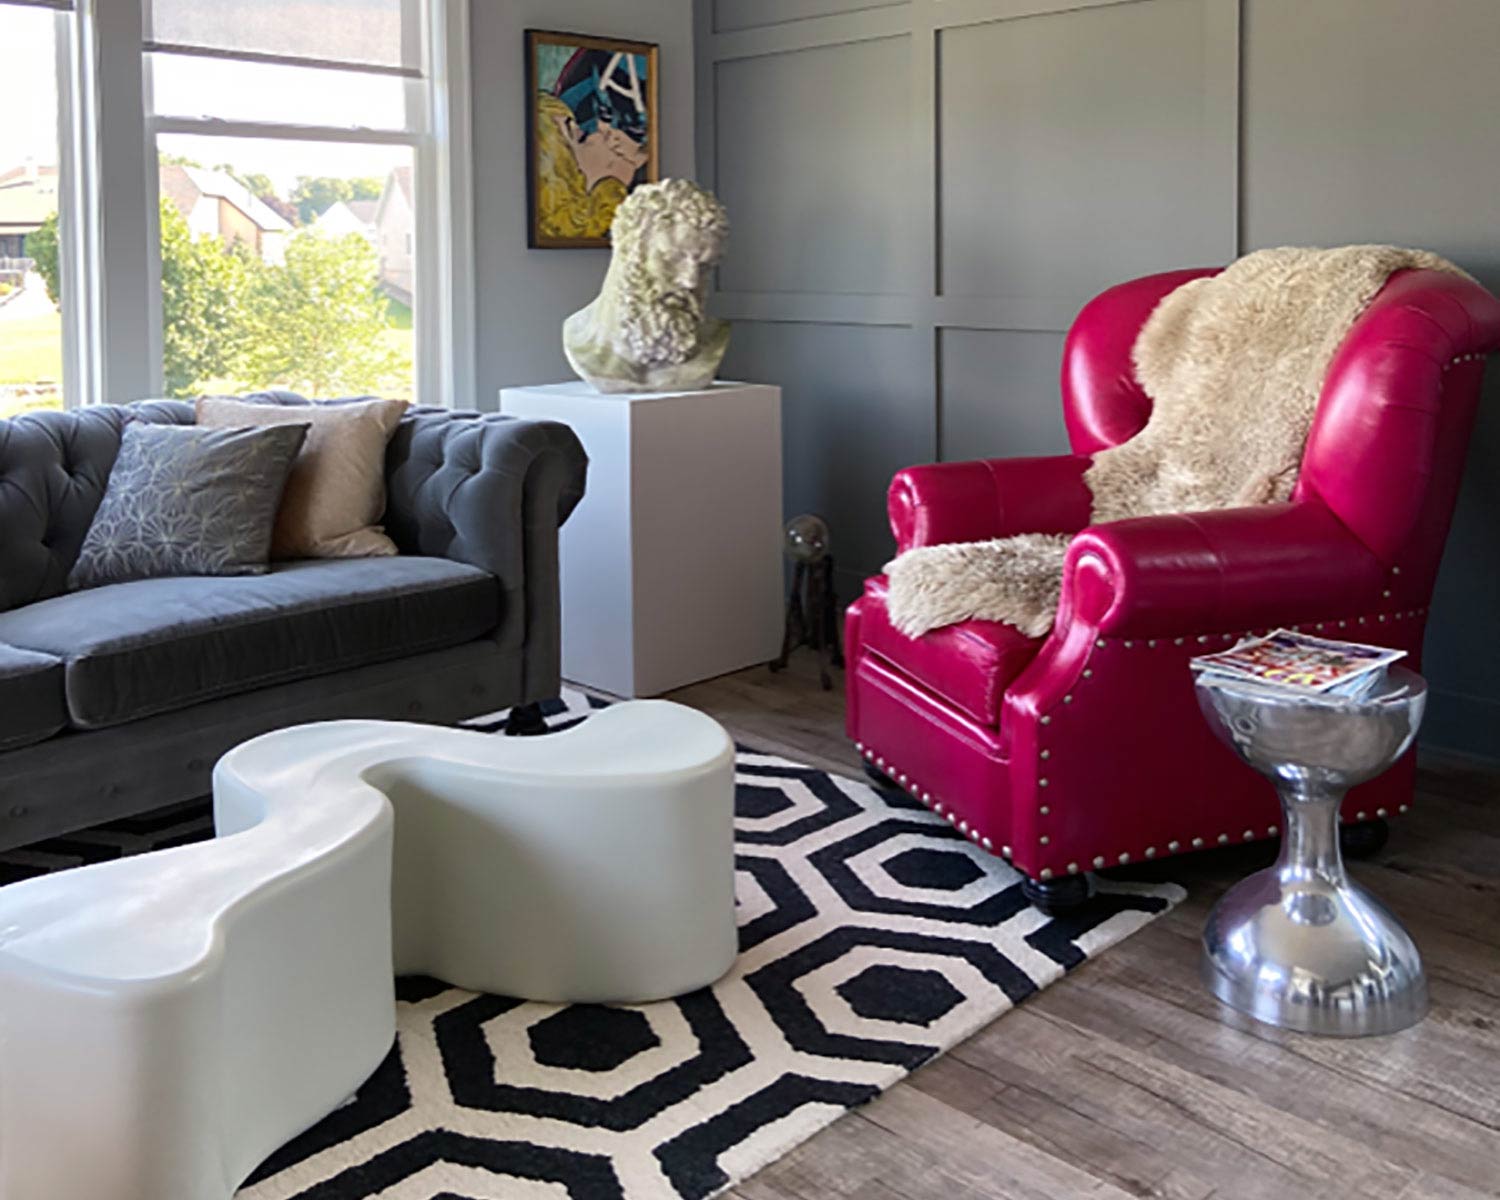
(185, 500)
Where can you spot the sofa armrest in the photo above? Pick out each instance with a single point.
(1224, 571)
(492, 491)
(990, 498)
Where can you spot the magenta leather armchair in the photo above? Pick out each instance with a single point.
(1085, 749)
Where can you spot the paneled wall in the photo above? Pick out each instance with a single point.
(925, 192)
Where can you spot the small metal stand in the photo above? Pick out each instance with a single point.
(812, 608)
(812, 618)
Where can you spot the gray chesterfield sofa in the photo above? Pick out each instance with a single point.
(118, 700)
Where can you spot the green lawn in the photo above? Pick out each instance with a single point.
(30, 348)
(30, 351)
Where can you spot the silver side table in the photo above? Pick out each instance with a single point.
(1300, 945)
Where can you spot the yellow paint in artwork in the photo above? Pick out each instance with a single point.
(566, 206)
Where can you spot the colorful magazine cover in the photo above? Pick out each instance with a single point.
(1300, 662)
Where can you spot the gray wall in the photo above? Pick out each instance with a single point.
(924, 192)
(523, 295)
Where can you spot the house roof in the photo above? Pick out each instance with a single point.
(185, 185)
(28, 196)
(402, 178)
(363, 209)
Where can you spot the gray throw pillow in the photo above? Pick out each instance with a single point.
(184, 500)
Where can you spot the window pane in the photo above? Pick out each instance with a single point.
(237, 91)
(31, 339)
(381, 33)
(286, 264)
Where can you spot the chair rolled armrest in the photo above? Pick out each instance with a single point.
(988, 498)
(492, 491)
(1222, 571)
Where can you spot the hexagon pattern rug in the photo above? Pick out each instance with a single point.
(872, 937)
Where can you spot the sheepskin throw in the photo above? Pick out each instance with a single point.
(1234, 364)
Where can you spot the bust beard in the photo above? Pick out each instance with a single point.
(657, 326)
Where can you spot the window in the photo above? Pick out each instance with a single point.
(303, 230)
(42, 240)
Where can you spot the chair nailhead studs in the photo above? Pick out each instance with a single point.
(1380, 812)
(1045, 840)
(1223, 839)
(1197, 843)
(1124, 858)
(963, 827)
(1046, 720)
(985, 842)
(1128, 643)
(1041, 783)
(1404, 808)
(1088, 672)
(1100, 643)
(1045, 754)
(1172, 847)
(1004, 851)
(1395, 570)
(1098, 861)
(1249, 835)
(926, 797)
(1272, 830)
(1202, 641)
(938, 808)
(1068, 699)
(1359, 816)
(870, 754)
(1072, 868)
(1177, 641)
(1046, 873)
(901, 779)
(1045, 810)
(1150, 851)
(880, 762)
(860, 746)
(1386, 593)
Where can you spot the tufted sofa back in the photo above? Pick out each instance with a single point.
(53, 470)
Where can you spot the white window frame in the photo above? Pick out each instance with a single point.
(128, 347)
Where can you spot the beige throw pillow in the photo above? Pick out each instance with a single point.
(335, 495)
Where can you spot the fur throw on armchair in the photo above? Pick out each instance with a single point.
(1234, 365)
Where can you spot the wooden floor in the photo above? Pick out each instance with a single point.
(1127, 1079)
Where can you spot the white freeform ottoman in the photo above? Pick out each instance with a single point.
(166, 1021)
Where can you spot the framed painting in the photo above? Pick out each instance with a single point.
(591, 133)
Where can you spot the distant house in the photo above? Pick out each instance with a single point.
(214, 203)
(395, 226)
(350, 216)
(28, 196)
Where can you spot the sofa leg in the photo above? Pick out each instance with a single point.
(879, 778)
(1364, 838)
(525, 720)
(1057, 897)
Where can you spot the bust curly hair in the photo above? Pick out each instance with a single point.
(648, 327)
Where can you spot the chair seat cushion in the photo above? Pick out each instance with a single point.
(969, 664)
(31, 697)
(154, 645)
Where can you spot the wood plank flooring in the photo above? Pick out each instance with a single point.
(1127, 1079)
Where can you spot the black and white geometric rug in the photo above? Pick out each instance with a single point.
(872, 936)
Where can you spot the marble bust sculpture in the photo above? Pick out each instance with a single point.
(647, 330)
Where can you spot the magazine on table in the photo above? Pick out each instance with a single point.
(1288, 661)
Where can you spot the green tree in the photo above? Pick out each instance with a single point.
(315, 195)
(206, 291)
(41, 247)
(318, 324)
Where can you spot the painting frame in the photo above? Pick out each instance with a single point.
(541, 233)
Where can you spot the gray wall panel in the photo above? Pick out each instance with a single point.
(1072, 151)
(852, 416)
(806, 146)
(730, 15)
(999, 394)
(1374, 120)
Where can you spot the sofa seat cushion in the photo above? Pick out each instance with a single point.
(969, 664)
(32, 708)
(153, 645)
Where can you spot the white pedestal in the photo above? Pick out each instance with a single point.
(671, 564)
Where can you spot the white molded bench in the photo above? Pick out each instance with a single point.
(168, 1020)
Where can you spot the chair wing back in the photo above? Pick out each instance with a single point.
(1385, 453)
(1386, 450)
(1103, 403)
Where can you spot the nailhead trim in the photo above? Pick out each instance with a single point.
(1045, 873)
(1098, 861)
